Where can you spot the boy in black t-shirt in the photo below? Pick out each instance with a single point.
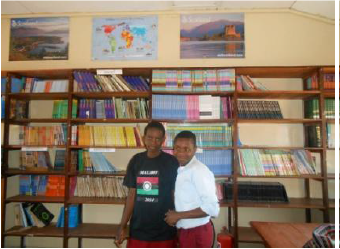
(150, 177)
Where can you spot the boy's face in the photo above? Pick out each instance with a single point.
(153, 139)
(184, 150)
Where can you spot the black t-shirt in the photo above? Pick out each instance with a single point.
(154, 180)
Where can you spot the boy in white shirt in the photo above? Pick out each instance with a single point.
(195, 196)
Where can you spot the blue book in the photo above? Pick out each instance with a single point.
(73, 216)
(3, 84)
(16, 85)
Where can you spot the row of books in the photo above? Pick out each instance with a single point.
(89, 186)
(41, 185)
(191, 107)
(60, 108)
(260, 162)
(218, 161)
(3, 100)
(328, 82)
(114, 108)
(35, 85)
(32, 214)
(246, 83)
(312, 108)
(206, 135)
(89, 82)
(41, 160)
(74, 217)
(193, 80)
(85, 161)
(19, 109)
(313, 136)
(106, 136)
(330, 130)
(256, 109)
(251, 191)
(39, 135)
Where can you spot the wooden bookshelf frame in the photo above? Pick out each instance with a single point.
(241, 234)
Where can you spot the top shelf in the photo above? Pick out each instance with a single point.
(278, 94)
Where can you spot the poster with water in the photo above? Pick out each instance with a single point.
(134, 38)
(43, 38)
(212, 35)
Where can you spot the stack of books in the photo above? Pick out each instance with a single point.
(252, 109)
(18, 109)
(85, 161)
(114, 108)
(312, 109)
(121, 136)
(89, 82)
(246, 83)
(32, 214)
(218, 161)
(257, 191)
(259, 162)
(312, 82)
(313, 136)
(191, 107)
(329, 81)
(60, 108)
(193, 80)
(41, 185)
(214, 135)
(90, 186)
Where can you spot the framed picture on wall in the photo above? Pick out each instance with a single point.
(212, 35)
(130, 38)
(43, 38)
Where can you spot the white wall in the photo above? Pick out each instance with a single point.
(272, 39)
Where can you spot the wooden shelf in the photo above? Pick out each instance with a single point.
(279, 121)
(48, 231)
(280, 148)
(315, 177)
(110, 120)
(201, 121)
(119, 173)
(293, 203)
(12, 172)
(278, 94)
(16, 147)
(104, 147)
(276, 72)
(45, 74)
(38, 96)
(204, 148)
(98, 95)
(214, 93)
(25, 198)
(330, 120)
(96, 200)
(247, 235)
(95, 230)
(37, 120)
(329, 93)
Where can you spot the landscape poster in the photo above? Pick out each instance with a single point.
(44, 38)
(212, 36)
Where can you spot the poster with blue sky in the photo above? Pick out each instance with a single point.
(212, 36)
(134, 38)
(43, 38)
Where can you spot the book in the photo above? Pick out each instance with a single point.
(42, 213)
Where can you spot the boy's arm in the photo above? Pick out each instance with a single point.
(127, 213)
(171, 217)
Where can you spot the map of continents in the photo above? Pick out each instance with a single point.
(125, 38)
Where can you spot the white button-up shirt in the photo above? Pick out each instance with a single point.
(195, 188)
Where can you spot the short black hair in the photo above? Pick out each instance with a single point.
(156, 125)
(186, 134)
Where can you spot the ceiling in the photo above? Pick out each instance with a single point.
(323, 9)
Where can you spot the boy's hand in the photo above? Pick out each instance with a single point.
(171, 217)
(120, 236)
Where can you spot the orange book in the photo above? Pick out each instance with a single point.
(48, 86)
(52, 187)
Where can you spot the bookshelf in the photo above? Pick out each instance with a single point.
(241, 234)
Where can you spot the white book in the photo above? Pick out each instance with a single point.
(205, 107)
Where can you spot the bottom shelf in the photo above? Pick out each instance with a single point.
(47, 231)
(247, 235)
(84, 230)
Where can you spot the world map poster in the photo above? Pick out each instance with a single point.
(134, 38)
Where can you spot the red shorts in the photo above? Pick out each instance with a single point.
(196, 237)
(135, 243)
